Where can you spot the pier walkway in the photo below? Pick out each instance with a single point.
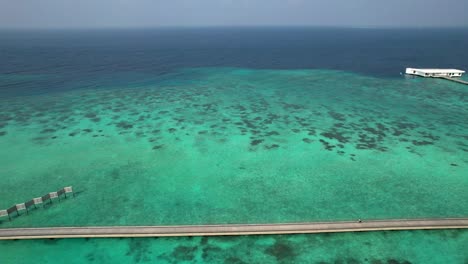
(454, 80)
(17, 208)
(232, 229)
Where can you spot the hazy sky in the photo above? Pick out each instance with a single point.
(153, 13)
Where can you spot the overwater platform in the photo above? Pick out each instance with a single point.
(446, 74)
(435, 72)
(232, 229)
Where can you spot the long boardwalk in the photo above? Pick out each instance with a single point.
(231, 229)
(455, 80)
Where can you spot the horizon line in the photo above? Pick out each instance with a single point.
(232, 26)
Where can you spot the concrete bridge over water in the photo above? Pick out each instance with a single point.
(233, 229)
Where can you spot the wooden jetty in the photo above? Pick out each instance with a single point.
(17, 208)
(454, 80)
(232, 229)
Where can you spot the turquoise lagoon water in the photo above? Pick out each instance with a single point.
(441, 246)
(238, 145)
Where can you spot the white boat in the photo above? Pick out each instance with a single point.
(449, 73)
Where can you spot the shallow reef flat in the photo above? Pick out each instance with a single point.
(234, 145)
(397, 247)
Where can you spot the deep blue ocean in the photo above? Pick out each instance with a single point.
(95, 58)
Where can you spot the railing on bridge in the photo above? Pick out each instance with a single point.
(36, 201)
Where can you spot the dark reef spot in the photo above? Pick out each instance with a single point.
(334, 134)
(255, 142)
(394, 261)
(115, 174)
(404, 125)
(234, 260)
(312, 132)
(158, 147)
(255, 132)
(139, 249)
(422, 143)
(47, 130)
(338, 125)
(72, 134)
(327, 145)
(382, 149)
(40, 138)
(337, 116)
(90, 257)
(184, 253)
(96, 119)
(295, 130)
(139, 134)
(172, 130)
(352, 261)
(453, 164)
(124, 125)
(210, 251)
(380, 126)
(374, 131)
(249, 124)
(204, 240)
(367, 142)
(307, 140)
(293, 106)
(3, 133)
(87, 130)
(273, 146)
(273, 133)
(281, 251)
